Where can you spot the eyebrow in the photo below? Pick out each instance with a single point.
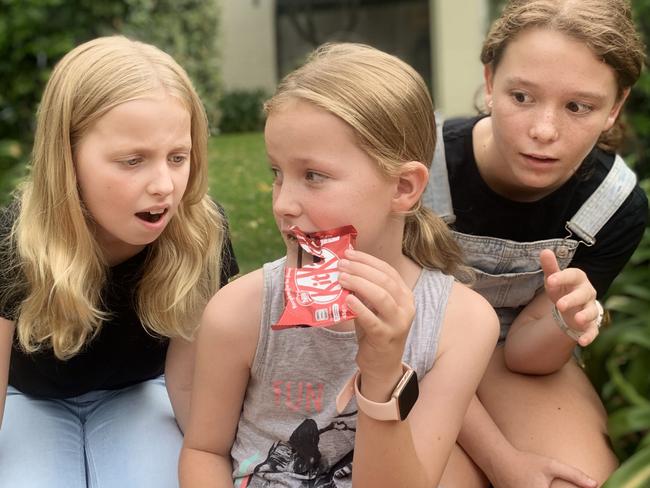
(303, 161)
(517, 80)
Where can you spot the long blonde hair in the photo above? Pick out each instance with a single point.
(605, 26)
(388, 106)
(60, 266)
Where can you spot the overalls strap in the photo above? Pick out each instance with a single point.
(601, 205)
(437, 195)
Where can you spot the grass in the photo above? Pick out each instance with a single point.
(240, 180)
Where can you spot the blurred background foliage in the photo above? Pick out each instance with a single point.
(35, 34)
(241, 110)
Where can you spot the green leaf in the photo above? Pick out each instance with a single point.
(628, 420)
(633, 473)
(624, 387)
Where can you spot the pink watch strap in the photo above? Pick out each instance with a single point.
(379, 411)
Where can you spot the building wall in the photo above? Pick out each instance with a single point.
(457, 28)
(457, 31)
(248, 44)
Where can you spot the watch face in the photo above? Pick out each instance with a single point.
(406, 393)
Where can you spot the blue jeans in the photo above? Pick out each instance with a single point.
(102, 439)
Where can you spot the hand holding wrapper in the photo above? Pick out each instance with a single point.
(313, 295)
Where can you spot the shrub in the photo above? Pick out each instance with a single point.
(241, 111)
(35, 34)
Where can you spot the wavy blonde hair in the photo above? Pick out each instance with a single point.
(388, 106)
(62, 268)
(605, 26)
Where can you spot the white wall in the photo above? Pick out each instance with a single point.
(248, 49)
(457, 31)
(248, 44)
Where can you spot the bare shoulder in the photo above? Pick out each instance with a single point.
(469, 316)
(233, 314)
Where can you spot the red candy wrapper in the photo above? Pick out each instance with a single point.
(313, 295)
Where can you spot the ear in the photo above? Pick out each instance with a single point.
(411, 183)
(488, 76)
(616, 109)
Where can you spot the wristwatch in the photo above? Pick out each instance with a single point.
(398, 407)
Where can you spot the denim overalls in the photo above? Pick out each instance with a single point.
(508, 273)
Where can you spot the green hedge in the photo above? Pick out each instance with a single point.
(35, 34)
(241, 111)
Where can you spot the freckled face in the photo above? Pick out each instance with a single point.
(551, 100)
(132, 169)
(323, 179)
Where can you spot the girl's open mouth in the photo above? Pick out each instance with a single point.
(152, 216)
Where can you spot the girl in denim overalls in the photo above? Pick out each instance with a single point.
(547, 216)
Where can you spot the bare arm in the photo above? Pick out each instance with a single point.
(7, 329)
(414, 452)
(224, 350)
(482, 440)
(535, 344)
(179, 369)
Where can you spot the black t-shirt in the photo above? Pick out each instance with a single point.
(481, 211)
(121, 355)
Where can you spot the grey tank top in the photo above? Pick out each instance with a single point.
(289, 433)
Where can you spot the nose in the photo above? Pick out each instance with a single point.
(161, 182)
(544, 127)
(285, 200)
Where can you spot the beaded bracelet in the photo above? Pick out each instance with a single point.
(572, 333)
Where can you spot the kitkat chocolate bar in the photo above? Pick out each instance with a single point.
(313, 295)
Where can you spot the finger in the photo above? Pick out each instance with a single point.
(588, 314)
(366, 318)
(355, 256)
(590, 334)
(579, 299)
(572, 475)
(548, 262)
(588, 337)
(373, 274)
(567, 280)
(377, 278)
(395, 309)
(371, 293)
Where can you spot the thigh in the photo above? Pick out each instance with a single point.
(41, 443)
(132, 439)
(557, 415)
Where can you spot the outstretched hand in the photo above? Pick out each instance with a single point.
(385, 307)
(573, 295)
